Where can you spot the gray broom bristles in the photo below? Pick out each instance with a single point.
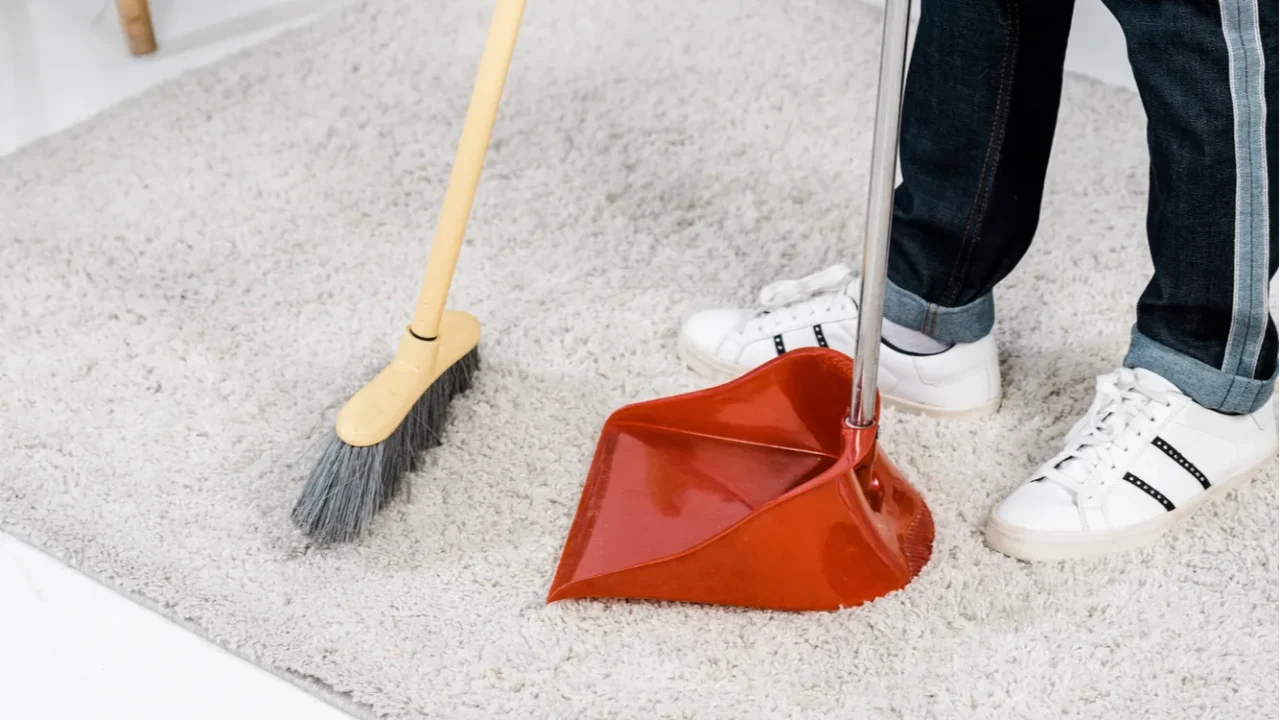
(349, 485)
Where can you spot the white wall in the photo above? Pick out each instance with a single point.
(1097, 46)
(1096, 49)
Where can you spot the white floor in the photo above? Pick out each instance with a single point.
(61, 61)
(70, 648)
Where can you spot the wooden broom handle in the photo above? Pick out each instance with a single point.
(464, 178)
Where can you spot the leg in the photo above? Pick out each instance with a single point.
(1191, 416)
(135, 20)
(978, 120)
(1206, 70)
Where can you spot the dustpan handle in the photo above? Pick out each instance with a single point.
(875, 253)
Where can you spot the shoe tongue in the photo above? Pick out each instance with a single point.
(782, 293)
(1078, 468)
(854, 289)
(1148, 379)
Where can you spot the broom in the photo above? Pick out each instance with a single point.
(383, 429)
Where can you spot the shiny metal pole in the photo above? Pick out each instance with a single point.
(884, 167)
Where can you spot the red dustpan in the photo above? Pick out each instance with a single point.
(768, 491)
(753, 493)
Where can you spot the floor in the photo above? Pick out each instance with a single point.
(69, 647)
(72, 648)
(61, 61)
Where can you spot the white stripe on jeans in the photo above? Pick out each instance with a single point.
(1246, 72)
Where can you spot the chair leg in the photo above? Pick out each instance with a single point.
(135, 21)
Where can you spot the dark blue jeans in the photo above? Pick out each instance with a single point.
(978, 120)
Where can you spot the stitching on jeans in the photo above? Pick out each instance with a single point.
(986, 181)
(973, 228)
(930, 317)
(924, 320)
(1226, 396)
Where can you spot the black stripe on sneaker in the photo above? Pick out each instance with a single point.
(778, 344)
(1144, 487)
(1178, 457)
(819, 336)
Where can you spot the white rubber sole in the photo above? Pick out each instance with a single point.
(1025, 544)
(713, 368)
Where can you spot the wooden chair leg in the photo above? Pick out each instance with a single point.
(135, 21)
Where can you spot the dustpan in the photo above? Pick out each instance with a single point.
(769, 491)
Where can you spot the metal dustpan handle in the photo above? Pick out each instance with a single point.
(875, 253)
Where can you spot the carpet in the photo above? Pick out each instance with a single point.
(196, 279)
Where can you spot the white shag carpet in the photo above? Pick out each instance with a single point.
(195, 281)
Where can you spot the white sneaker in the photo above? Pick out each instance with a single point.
(821, 310)
(1141, 460)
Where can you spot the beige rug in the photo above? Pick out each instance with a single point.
(195, 280)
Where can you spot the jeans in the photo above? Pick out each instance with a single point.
(979, 110)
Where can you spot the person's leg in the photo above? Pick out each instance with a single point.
(1192, 414)
(979, 111)
(1206, 70)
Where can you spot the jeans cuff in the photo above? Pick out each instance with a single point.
(1208, 386)
(964, 324)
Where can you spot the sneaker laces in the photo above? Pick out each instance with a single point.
(789, 300)
(1123, 403)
